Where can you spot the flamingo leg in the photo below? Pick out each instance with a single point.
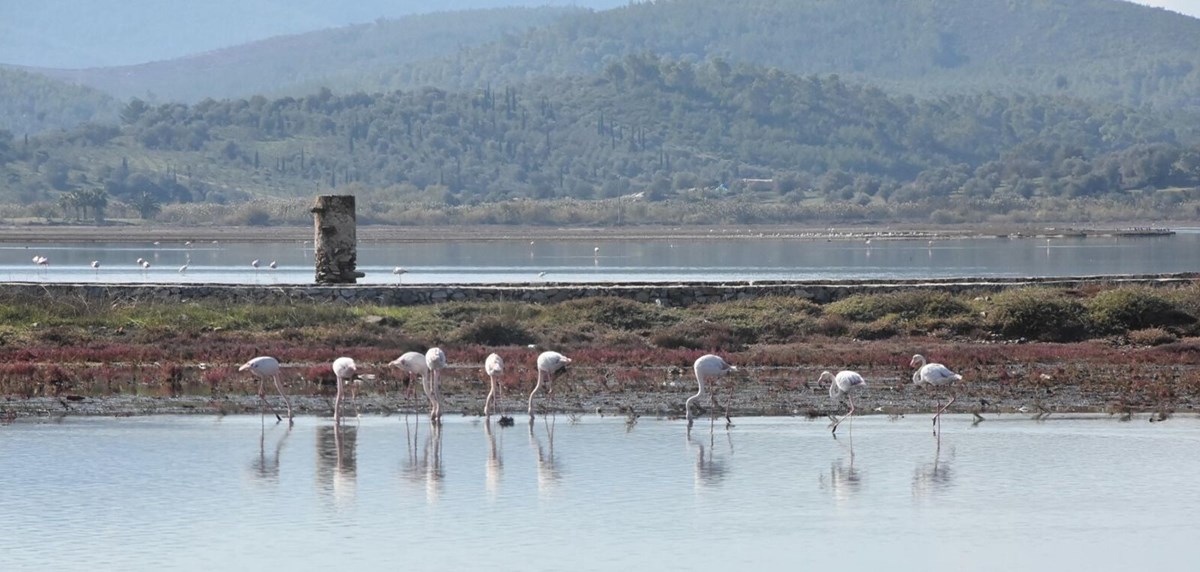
(487, 403)
(534, 392)
(849, 414)
(437, 392)
(279, 386)
(427, 386)
(337, 404)
(262, 394)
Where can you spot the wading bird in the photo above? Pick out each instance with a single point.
(934, 374)
(435, 358)
(707, 367)
(494, 366)
(414, 363)
(344, 368)
(548, 364)
(845, 383)
(399, 272)
(262, 368)
(254, 263)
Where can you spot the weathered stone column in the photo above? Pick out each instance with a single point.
(335, 245)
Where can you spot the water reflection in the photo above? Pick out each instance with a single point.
(844, 480)
(337, 460)
(709, 470)
(423, 464)
(267, 467)
(549, 473)
(933, 477)
(494, 462)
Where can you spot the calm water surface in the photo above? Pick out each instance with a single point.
(205, 493)
(516, 261)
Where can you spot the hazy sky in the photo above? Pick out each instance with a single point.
(1189, 7)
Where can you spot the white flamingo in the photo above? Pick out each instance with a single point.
(494, 366)
(435, 358)
(548, 364)
(262, 368)
(254, 263)
(399, 272)
(936, 375)
(272, 265)
(415, 363)
(845, 383)
(183, 269)
(344, 368)
(96, 267)
(707, 367)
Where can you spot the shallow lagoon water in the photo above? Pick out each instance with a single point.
(516, 261)
(203, 493)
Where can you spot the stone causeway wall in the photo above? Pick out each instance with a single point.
(669, 294)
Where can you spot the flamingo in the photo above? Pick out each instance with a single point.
(145, 265)
(399, 272)
(272, 265)
(183, 269)
(435, 358)
(494, 366)
(707, 367)
(416, 364)
(96, 267)
(846, 383)
(262, 368)
(254, 263)
(933, 374)
(548, 363)
(344, 368)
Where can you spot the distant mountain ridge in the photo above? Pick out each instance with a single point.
(344, 58)
(1107, 50)
(71, 34)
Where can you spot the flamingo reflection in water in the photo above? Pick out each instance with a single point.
(264, 467)
(549, 472)
(495, 463)
(424, 464)
(934, 476)
(337, 460)
(709, 470)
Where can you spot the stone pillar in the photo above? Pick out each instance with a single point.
(335, 245)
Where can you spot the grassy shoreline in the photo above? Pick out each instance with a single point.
(1091, 348)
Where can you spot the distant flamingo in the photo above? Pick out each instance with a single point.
(934, 374)
(344, 368)
(416, 364)
(399, 272)
(96, 267)
(707, 367)
(435, 358)
(272, 265)
(262, 368)
(548, 363)
(183, 269)
(846, 383)
(494, 366)
(254, 263)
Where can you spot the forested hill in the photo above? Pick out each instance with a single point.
(1107, 50)
(32, 103)
(345, 58)
(1097, 49)
(663, 128)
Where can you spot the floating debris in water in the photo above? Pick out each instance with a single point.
(506, 421)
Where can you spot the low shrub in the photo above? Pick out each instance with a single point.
(492, 331)
(1038, 313)
(615, 313)
(913, 305)
(1123, 309)
(698, 335)
(1151, 337)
